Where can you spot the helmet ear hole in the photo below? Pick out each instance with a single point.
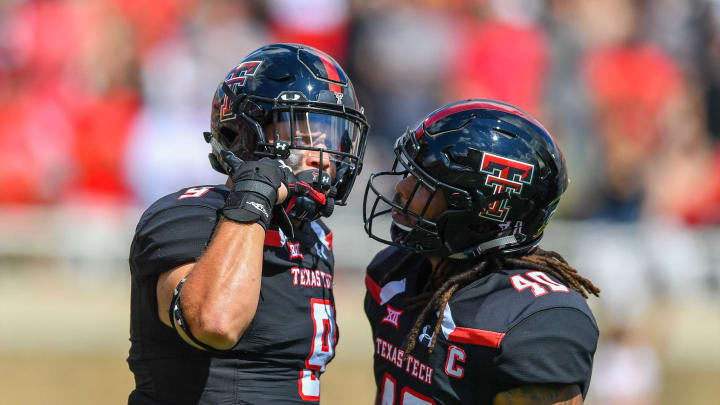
(237, 137)
(255, 111)
(227, 136)
(457, 200)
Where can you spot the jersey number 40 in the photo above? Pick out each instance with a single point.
(536, 281)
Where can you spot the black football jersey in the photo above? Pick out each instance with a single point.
(504, 330)
(286, 347)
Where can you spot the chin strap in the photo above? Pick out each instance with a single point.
(478, 250)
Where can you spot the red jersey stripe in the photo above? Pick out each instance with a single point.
(476, 337)
(272, 238)
(328, 239)
(373, 288)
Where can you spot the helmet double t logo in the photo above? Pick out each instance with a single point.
(236, 78)
(504, 176)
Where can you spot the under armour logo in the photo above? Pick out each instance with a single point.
(392, 317)
(292, 96)
(320, 250)
(259, 207)
(426, 335)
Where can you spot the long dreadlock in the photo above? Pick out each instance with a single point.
(449, 277)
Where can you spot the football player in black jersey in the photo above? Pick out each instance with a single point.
(464, 307)
(232, 285)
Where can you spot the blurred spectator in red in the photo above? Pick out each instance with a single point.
(104, 83)
(323, 24)
(500, 52)
(152, 22)
(640, 103)
(39, 38)
(703, 204)
(35, 141)
(35, 129)
(685, 182)
(630, 117)
(632, 86)
(76, 64)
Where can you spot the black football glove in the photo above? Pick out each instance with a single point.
(255, 188)
(261, 179)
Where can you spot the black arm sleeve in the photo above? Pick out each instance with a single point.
(553, 346)
(172, 237)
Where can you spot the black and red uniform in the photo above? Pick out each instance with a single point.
(286, 347)
(507, 329)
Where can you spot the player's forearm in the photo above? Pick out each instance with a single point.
(221, 293)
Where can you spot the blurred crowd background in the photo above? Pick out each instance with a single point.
(103, 104)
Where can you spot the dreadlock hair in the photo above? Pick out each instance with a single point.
(450, 276)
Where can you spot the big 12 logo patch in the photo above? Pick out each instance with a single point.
(504, 175)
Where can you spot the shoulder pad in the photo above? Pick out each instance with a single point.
(175, 229)
(323, 233)
(500, 300)
(384, 261)
(210, 196)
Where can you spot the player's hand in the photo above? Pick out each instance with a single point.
(234, 164)
(257, 187)
(259, 178)
(303, 198)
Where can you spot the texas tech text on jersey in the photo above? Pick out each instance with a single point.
(507, 329)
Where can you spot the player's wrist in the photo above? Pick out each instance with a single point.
(247, 207)
(251, 201)
(254, 194)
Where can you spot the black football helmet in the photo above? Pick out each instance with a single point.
(305, 101)
(500, 172)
